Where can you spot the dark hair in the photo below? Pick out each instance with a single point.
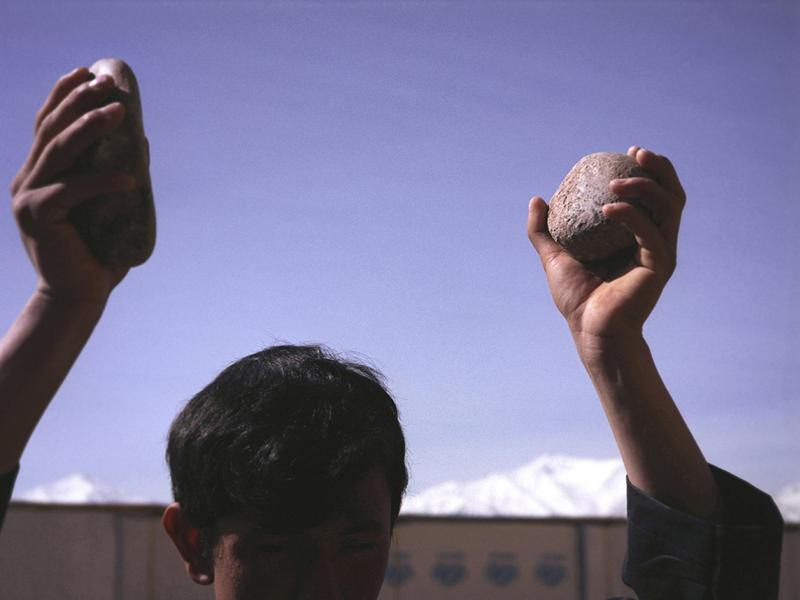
(284, 431)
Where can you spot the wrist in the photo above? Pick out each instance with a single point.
(599, 351)
(45, 301)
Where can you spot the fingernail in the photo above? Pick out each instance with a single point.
(100, 80)
(110, 109)
(607, 208)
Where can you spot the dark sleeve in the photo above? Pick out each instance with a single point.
(675, 556)
(6, 486)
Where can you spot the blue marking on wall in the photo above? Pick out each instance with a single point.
(399, 570)
(501, 569)
(449, 569)
(551, 570)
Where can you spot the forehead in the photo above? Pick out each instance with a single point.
(364, 505)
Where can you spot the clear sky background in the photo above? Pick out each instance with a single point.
(358, 174)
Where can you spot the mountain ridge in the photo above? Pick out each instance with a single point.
(551, 485)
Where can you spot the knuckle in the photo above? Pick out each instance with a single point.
(100, 121)
(60, 143)
(16, 183)
(51, 156)
(75, 99)
(88, 90)
(37, 121)
(31, 207)
(89, 97)
(52, 150)
(93, 117)
(75, 95)
(90, 124)
(21, 209)
(46, 124)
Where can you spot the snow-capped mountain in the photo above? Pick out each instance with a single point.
(788, 501)
(550, 486)
(78, 489)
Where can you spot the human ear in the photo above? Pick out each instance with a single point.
(187, 540)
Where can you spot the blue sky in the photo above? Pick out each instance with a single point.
(357, 174)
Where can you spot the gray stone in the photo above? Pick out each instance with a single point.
(575, 218)
(120, 229)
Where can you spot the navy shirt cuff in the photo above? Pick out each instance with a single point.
(675, 555)
(6, 487)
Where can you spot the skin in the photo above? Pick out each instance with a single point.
(343, 558)
(339, 559)
(606, 315)
(72, 287)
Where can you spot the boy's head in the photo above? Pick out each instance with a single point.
(288, 471)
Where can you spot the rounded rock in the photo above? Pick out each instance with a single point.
(120, 229)
(575, 219)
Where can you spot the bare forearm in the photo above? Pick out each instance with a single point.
(36, 354)
(660, 455)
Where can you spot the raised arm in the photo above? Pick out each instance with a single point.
(606, 314)
(694, 531)
(39, 349)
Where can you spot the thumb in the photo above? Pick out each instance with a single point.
(537, 229)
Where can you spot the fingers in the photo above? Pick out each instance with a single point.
(661, 168)
(60, 90)
(52, 203)
(664, 207)
(664, 198)
(649, 193)
(73, 95)
(81, 99)
(537, 229)
(67, 146)
(653, 253)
